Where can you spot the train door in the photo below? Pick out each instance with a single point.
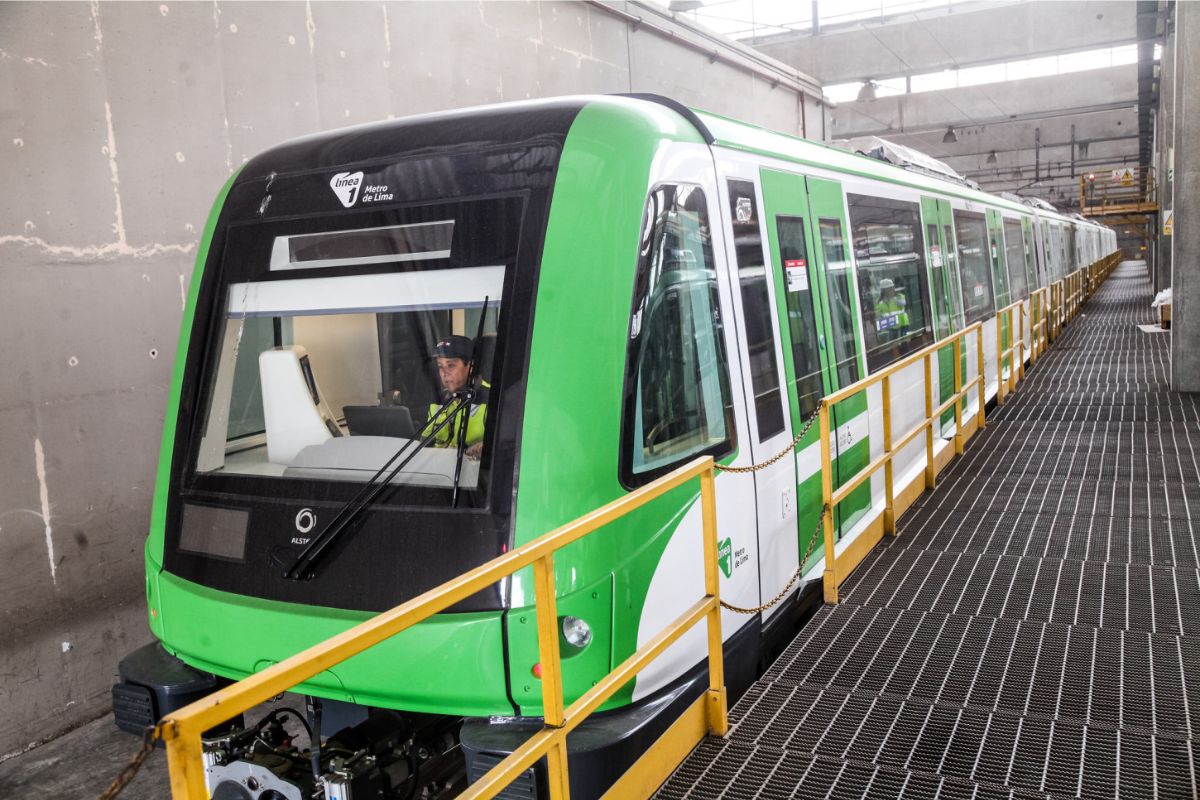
(1000, 285)
(945, 295)
(809, 259)
(1035, 280)
(1039, 252)
(1018, 276)
(841, 334)
(769, 425)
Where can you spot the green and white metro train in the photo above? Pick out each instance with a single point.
(637, 284)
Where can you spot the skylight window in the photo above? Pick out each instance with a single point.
(746, 19)
(1062, 64)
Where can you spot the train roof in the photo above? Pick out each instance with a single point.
(468, 129)
(551, 119)
(736, 135)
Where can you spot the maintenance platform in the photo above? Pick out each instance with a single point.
(1034, 628)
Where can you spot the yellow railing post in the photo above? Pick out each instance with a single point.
(1021, 353)
(830, 578)
(930, 466)
(1039, 321)
(889, 507)
(185, 762)
(1059, 296)
(958, 382)
(1000, 359)
(717, 712)
(1043, 320)
(1052, 309)
(1018, 342)
(552, 696)
(1035, 344)
(1061, 307)
(979, 362)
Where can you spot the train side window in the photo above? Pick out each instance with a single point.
(802, 327)
(940, 290)
(1030, 258)
(954, 286)
(1047, 242)
(756, 308)
(999, 276)
(677, 402)
(841, 314)
(892, 284)
(971, 231)
(1014, 250)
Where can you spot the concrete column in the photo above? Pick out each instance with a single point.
(1185, 260)
(1160, 266)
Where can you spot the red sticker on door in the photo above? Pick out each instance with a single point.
(795, 262)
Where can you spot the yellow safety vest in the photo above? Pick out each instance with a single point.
(890, 315)
(448, 436)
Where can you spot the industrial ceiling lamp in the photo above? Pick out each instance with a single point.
(867, 92)
(991, 159)
(951, 137)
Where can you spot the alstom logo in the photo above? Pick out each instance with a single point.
(346, 186)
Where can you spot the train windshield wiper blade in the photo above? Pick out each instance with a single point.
(375, 486)
(472, 375)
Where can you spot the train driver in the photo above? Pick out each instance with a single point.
(453, 355)
(891, 318)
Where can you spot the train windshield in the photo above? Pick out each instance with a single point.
(345, 348)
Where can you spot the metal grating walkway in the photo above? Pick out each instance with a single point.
(1034, 629)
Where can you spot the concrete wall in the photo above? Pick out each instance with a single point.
(118, 124)
(1185, 242)
(1164, 144)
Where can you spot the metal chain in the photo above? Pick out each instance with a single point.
(149, 737)
(812, 543)
(791, 446)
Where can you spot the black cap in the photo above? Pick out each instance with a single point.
(455, 347)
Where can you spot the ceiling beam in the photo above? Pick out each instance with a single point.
(1052, 113)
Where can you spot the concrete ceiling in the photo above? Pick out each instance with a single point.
(1044, 132)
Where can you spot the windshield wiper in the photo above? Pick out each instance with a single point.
(375, 486)
(377, 483)
(466, 418)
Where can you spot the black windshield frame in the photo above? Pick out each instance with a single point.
(246, 259)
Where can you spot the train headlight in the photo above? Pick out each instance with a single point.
(576, 632)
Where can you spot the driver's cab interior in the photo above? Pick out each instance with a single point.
(327, 377)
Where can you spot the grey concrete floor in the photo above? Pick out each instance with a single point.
(81, 764)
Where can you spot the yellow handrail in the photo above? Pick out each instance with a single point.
(1050, 307)
(831, 498)
(182, 729)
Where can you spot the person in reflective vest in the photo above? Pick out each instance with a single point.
(891, 318)
(454, 354)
